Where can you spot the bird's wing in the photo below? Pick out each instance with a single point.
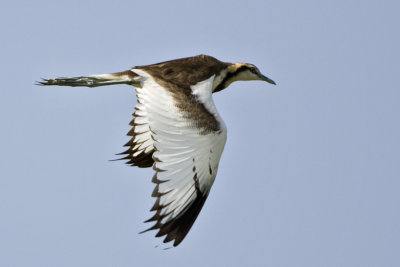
(189, 138)
(141, 147)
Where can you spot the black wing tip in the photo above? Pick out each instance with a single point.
(177, 228)
(143, 160)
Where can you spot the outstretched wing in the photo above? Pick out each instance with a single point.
(189, 138)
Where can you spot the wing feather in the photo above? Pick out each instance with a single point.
(185, 157)
(141, 149)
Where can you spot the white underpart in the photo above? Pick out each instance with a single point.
(179, 148)
(203, 92)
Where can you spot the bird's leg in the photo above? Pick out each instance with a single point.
(126, 77)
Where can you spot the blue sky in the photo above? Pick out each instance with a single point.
(310, 173)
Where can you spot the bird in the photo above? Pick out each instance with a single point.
(176, 130)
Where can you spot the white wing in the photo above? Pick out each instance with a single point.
(187, 147)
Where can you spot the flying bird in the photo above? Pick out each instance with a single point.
(176, 130)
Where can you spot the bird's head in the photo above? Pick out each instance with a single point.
(239, 72)
(247, 72)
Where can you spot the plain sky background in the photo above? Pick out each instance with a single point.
(310, 175)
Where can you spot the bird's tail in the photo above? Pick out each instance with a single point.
(125, 77)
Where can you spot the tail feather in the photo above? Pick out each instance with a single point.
(125, 77)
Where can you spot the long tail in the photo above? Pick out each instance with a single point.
(125, 77)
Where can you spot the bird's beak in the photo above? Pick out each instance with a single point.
(265, 78)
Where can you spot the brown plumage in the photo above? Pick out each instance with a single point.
(185, 72)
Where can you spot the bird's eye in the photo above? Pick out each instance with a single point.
(253, 70)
